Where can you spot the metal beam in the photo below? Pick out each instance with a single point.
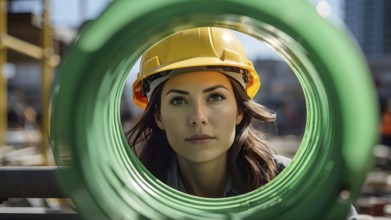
(32, 182)
(29, 182)
(36, 213)
(23, 47)
(3, 80)
(28, 49)
(47, 71)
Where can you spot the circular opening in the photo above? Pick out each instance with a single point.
(317, 103)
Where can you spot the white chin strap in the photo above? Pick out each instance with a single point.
(237, 76)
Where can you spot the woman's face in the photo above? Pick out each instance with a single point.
(199, 114)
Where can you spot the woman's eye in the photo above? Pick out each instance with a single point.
(177, 101)
(216, 98)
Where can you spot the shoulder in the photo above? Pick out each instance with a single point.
(281, 162)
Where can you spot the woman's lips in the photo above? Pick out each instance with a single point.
(200, 139)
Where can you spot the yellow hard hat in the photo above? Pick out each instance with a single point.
(190, 50)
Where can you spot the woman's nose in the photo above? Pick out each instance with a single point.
(198, 116)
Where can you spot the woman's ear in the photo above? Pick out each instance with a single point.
(239, 117)
(158, 118)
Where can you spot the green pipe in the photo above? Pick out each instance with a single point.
(106, 181)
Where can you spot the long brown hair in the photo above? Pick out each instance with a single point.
(250, 159)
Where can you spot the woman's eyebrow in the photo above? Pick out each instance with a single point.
(214, 88)
(183, 92)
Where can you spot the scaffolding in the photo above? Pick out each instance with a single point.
(43, 53)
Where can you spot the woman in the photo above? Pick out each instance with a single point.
(196, 87)
(196, 134)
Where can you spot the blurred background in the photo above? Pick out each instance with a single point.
(34, 34)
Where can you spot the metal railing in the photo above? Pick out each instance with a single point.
(32, 182)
